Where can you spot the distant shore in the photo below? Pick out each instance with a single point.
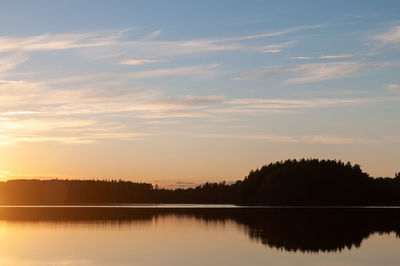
(292, 183)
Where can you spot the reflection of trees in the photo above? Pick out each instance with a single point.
(305, 230)
(311, 230)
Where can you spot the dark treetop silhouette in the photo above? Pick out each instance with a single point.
(292, 182)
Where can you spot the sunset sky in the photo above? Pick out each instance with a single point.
(182, 92)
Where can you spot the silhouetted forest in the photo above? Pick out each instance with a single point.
(303, 182)
(290, 229)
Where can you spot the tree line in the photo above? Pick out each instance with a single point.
(291, 183)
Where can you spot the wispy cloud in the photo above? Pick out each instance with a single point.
(294, 104)
(269, 138)
(80, 115)
(153, 35)
(271, 51)
(9, 62)
(58, 129)
(319, 139)
(137, 61)
(79, 109)
(114, 44)
(112, 79)
(25, 115)
(337, 56)
(306, 73)
(258, 106)
(331, 139)
(179, 71)
(51, 41)
(167, 49)
(326, 71)
(390, 36)
(270, 34)
(194, 100)
(301, 57)
(394, 87)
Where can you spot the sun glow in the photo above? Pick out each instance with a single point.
(3, 174)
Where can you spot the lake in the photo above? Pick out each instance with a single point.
(198, 235)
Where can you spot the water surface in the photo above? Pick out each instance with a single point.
(198, 235)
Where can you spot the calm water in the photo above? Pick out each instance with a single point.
(198, 235)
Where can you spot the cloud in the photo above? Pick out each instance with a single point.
(318, 139)
(35, 112)
(240, 43)
(168, 49)
(194, 100)
(137, 61)
(190, 106)
(42, 128)
(48, 41)
(271, 34)
(394, 87)
(254, 106)
(174, 114)
(272, 51)
(329, 139)
(390, 36)
(269, 138)
(100, 106)
(301, 57)
(62, 115)
(43, 111)
(153, 35)
(327, 71)
(114, 44)
(150, 104)
(179, 71)
(104, 79)
(295, 104)
(314, 72)
(10, 62)
(259, 106)
(337, 56)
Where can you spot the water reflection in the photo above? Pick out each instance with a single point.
(305, 230)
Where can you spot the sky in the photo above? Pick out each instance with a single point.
(178, 93)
